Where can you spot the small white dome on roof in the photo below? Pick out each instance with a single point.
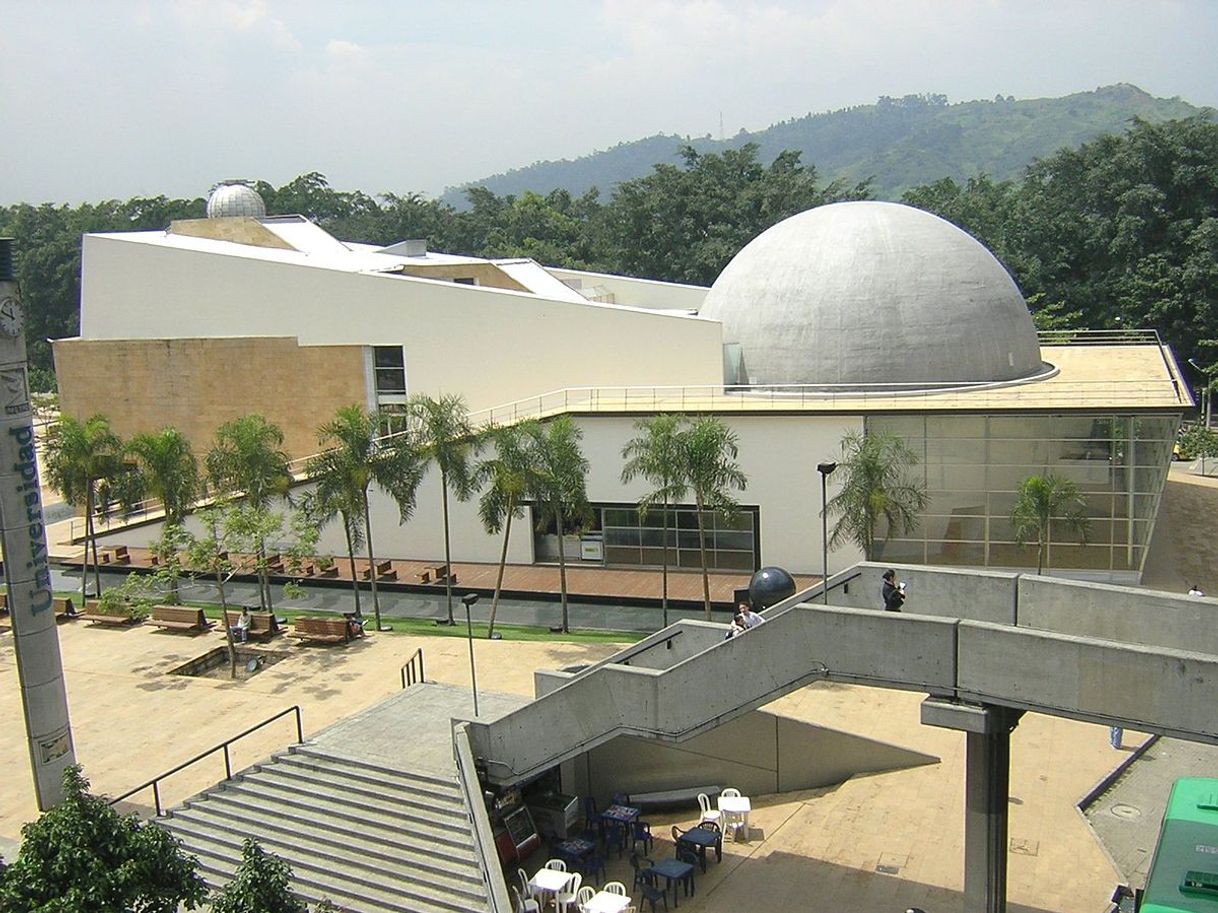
(233, 199)
(872, 293)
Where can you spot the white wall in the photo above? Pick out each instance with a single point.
(493, 346)
(778, 454)
(640, 293)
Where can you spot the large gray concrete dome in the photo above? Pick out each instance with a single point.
(872, 293)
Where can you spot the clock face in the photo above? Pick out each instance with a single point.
(10, 317)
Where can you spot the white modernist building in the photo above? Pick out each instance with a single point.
(852, 317)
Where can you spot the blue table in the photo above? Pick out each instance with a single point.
(618, 820)
(675, 870)
(701, 838)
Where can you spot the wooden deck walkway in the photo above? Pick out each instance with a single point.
(523, 580)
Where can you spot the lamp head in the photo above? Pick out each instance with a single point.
(826, 468)
(469, 599)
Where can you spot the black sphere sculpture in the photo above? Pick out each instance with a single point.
(770, 586)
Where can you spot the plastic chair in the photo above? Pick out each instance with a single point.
(708, 813)
(525, 888)
(639, 869)
(594, 868)
(731, 791)
(557, 865)
(522, 905)
(642, 832)
(583, 895)
(651, 890)
(616, 887)
(566, 897)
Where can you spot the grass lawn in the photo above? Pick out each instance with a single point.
(426, 627)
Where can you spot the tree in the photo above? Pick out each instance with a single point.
(84, 857)
(557, 483)
(246, 460)
(656, 456)
(261, 884)
(79, 456)
(357, 457)
(441, 431)
(709, 449)
(875, 485)
(1043, 501)
(167, 470)
(506, 478)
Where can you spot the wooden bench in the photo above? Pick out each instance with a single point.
(440, 575)
(91, 614)
(424, 576)
(672, 796)
(323, 630)
(180, 618)
(116, 555)
(384, 571)
(64, 610)
(263, 625)
(331, 571)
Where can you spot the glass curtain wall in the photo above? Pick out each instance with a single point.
(973, 464)
(731, 542)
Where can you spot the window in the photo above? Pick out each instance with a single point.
(389, 362)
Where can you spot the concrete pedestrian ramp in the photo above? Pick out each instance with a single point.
(1093, 652)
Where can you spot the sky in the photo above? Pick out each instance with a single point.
(112, 99)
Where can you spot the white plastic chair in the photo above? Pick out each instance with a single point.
(616, 887)
(731, 791)
(583, 895)
(708, 813)
(557, 865)
(525, 906)
(525, 888)
(568, 895)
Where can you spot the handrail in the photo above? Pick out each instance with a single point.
(228, 766)
(410, 666)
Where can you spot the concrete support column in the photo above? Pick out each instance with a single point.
(986, 795)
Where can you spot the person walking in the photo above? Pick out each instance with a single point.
(1115, 735)
(751, 619)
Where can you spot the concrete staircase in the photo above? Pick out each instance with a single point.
(371, 839)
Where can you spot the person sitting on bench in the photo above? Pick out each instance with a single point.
(241, 629)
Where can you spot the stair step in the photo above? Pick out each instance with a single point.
(301, 807)
(217, 869)
(313, 751)
(332, 784)
(314, 792)
(364, 867)
(447, 794)
(323, 833)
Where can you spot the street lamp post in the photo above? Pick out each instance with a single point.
(469, 599)
(825, 470)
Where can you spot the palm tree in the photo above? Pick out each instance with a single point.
(79, 455)
(246, 458)
(557, 483)
(656, 456)
(708, 453)
(506, 477)
(443, 434)
(168, 471)
(1041, 501)
(875, 485)
(356, 458)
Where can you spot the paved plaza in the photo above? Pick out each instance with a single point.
(875, 843)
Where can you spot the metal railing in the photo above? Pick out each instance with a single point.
(223, 746)
(412, 672)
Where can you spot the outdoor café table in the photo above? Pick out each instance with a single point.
(550, 881)
(736, 809)
(675, 870)
(577, 849)
(619, 818)
(701, 838)
(604, 902)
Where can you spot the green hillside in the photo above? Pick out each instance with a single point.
(898, 142)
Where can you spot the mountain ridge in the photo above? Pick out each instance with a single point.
(897, 142)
